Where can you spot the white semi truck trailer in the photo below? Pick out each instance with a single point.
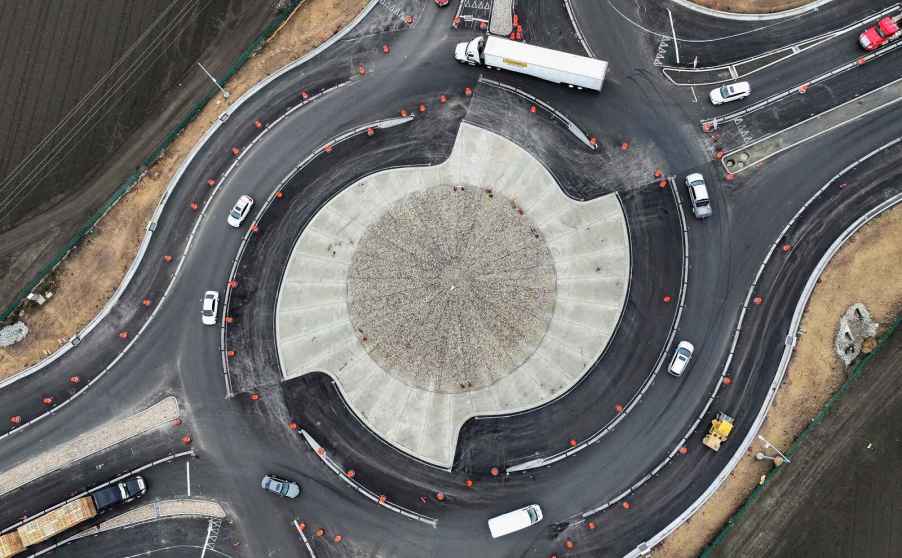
(551, 65)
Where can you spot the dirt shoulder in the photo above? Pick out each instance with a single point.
(752, 6)
(864, 270)
(86, 280)
(840, 495)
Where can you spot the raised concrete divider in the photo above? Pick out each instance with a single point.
(154, 511)
(166, 459)
(792, 334)
(745, 157)
(89, 443)
(502, 20)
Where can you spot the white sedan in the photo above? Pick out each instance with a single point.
(730, 92)
(210, 308)
(240, 210)
(681, 358)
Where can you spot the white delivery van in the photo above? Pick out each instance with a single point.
(551, 65)
(510, 522)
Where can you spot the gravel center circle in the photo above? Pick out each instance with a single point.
(451, 288)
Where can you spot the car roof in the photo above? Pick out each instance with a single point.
(740, 86)
(701, 191)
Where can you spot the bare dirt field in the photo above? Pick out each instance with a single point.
(840, 495)
(89, 276)
(864, 270)
(87, 91)
(752, 6)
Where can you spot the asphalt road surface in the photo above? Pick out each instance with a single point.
(631, 481)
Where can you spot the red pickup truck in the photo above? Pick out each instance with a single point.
(875, 36)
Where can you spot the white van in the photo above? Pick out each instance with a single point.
(514, 521)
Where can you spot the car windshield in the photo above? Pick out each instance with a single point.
(208, 311)
(726, 91)
(532, 515)
(682, 354)
(701, 203)
(236, 212)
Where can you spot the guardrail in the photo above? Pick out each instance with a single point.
(367, 493)
(580, 134)
(645, 547)
(576, 30)
(98, 487)
(380, 124)
(649, 380)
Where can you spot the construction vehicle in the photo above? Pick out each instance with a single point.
(886, 30)
(720, 430)
(69, 515)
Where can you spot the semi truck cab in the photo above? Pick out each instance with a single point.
(471, 52)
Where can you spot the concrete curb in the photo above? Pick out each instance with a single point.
(645, 547)
(91, 442)
(649, 380)
(379, 500)
(380, 124)
(576, 29)
(578, 132)
(98, 487)
(791, 51)
(114, 299)
(689, 5)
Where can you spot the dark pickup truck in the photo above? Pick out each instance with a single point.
(122, 492)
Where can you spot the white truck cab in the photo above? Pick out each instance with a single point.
(514, 521)
(468, 53)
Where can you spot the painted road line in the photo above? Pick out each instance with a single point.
(760, 150)
(304, 538)
(794, 90)
(188, 475)
(203, 551)
(791, 50)
(676, 45)
(89, 443)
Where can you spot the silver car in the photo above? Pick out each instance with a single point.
(698, 196)
(681, 358)
(282, 487)
(730, 92)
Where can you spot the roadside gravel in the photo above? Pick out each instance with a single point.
(88, 444)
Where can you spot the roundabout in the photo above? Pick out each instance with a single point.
(422, 321)
(434, 294)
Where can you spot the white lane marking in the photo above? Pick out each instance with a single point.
(676, 45)
(733, 72)
(694, 98)
(808, 138)
(649, 31)
(207, 540)
(188, 474)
